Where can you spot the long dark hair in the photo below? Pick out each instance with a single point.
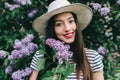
(79, 55)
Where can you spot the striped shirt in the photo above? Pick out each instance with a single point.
(94, 58)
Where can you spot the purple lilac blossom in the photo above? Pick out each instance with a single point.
(24, 51)
(23, 2)
(21, 74)
(17, 75)
(10, 57)
(11, 7)
(16, 54)
(18, 44)
(104, 11)
(8, 70)
(23, 48)
(28, 71)
(32, 13)
(101, 50)
(62, 50)
(56, 44)
(96, 6)
(31, 47)
(2, 54)
(30, 36)
(28, 39)
(118, 1)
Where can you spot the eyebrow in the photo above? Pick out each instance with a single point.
(68, 19)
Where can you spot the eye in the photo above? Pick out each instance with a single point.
(58, 24)
(71, 21)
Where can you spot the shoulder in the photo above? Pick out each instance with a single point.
(92, 53)
(95, 59)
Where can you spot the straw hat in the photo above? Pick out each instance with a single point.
(83, 12)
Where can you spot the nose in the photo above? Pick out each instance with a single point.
(67, 27)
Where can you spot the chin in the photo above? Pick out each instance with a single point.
(69, 41)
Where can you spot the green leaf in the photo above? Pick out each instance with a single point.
(69, 70)
(117, 16)
(41, 51)
(41, 63)
(47, 78)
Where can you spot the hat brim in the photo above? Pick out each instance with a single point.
(83, 12)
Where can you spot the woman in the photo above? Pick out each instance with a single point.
(64, 21)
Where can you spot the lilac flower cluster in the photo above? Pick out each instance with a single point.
(25, 47)
(96, 6)
(11, 7)
(9, 69)
(23, 2)
(2, 54)
(118, 1)
(104, 11)
(62, 50)
(101, 50)
(32, 13)
(21, 74)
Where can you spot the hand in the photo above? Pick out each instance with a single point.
(55, 77)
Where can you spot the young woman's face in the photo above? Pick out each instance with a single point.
(65, 27)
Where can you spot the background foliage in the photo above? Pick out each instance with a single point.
(16, 18)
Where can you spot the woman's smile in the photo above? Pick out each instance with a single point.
(69, 35)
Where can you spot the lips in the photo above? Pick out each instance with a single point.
(69, 35)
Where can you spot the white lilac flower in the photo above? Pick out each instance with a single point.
(108, 34)
(96, 6)
(104, 11)
(2, 54)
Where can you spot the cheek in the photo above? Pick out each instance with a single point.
(58, 31)
(74, 27)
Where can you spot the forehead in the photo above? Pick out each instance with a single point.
(63, 15)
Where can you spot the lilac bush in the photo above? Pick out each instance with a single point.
(22, 52)
(23, 48)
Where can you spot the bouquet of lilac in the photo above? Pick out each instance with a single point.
(62, 55)
(62, 50)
